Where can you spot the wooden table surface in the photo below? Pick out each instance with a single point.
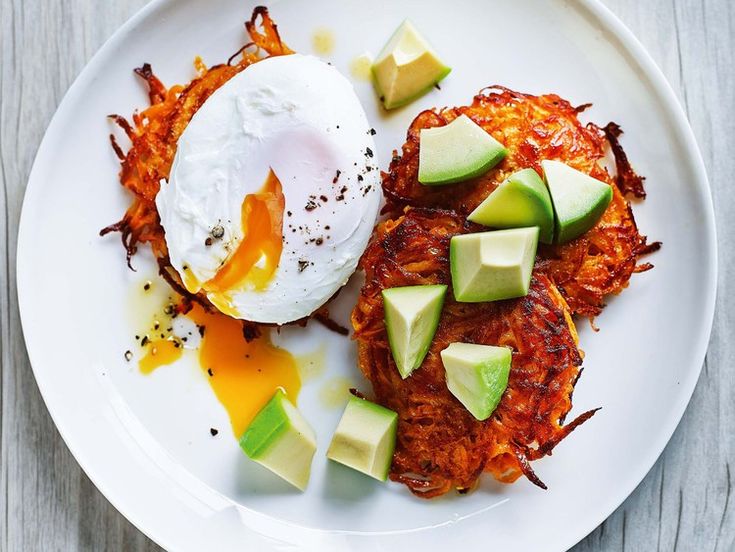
(47, 503)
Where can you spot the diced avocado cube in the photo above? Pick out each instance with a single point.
(456, 152)
(477, 375)
(411, 319)
(579, 200)
(365, 438)
(280, 439)
(490, 266)
(406, 68)
(522, 200)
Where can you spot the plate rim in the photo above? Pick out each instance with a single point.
(671, 106)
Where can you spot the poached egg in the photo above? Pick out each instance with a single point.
(273, 192)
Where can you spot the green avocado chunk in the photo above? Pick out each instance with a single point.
(579, 200)
(406, 68)
(365, 438)
(522, 200)
(411, 318)
(280, 439)
(477, 375)
(490, 266)
(456, 152)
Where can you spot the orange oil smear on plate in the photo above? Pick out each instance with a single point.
(244, 375)
(361, 67)
(336, 392)
(160, 352)
(151, 303)
(323, 41)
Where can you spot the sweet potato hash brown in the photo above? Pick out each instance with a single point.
(440, 445)
(534, 128)
(154, 135)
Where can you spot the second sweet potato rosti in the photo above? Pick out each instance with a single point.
(440, 445)
(534, 128)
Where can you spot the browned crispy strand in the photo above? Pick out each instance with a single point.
(534, 128)
(440, 445)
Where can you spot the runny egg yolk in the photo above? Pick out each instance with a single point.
(256, 257)
(244, 375)
(160, 353)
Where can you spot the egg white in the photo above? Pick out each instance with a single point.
(301, 118)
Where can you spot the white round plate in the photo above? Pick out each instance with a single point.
(145, 441)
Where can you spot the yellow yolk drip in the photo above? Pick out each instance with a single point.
(244, 375)
(323, 41)
(360, 67)
(160, 352)
(256, 258)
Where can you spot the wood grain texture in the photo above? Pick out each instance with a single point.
(47, 503)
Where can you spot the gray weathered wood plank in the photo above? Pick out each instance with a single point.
(47, 503)
(684, 503)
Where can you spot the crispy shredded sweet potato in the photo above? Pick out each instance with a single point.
(155, 132)
(154, 135)
(534, 128)
(440, 445)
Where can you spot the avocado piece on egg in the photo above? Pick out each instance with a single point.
(477, 375)
(456, 152)
(406, 68)
(579, 200)
(491, 266)
(365, 438)
(411, 319)
(522, 200)
(280, 439)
